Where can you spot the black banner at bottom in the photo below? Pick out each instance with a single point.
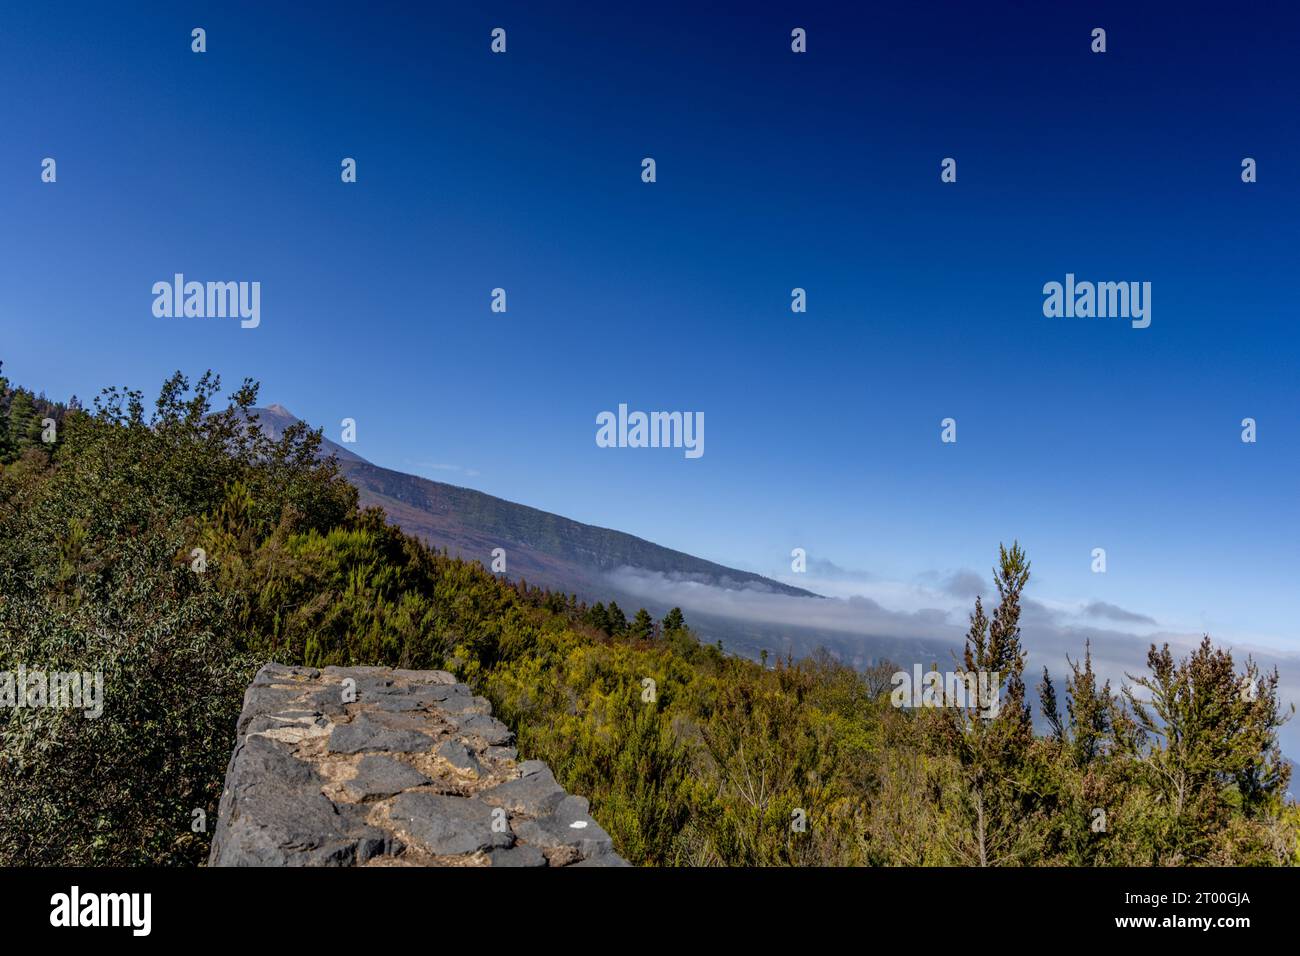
(298, 906)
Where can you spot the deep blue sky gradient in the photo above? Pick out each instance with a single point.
(775, 171)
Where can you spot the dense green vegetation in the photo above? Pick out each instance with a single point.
(689, 756)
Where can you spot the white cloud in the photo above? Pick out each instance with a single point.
(884, 612)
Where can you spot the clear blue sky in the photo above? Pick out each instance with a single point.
(774, 171)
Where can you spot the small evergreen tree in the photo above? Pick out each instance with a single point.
(1090, 709)
(1052, 713)
(643, 625)
(22, 417)
(991, 739)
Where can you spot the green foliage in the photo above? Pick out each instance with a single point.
(22, 415)
(598, 618)
(95, 543)
(687, 755)
(642, 627)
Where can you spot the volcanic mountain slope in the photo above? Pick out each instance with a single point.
(541, 548)
(575, 558)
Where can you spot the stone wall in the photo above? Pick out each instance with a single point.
(371, 766)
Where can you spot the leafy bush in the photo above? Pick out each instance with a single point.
(726, 763)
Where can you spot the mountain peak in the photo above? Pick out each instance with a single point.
(275, 419)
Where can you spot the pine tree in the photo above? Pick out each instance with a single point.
(643, 625)
(7, 448)
(1006, 657)
(1090, 709)
(617, 620)
(1052, 713)
(1215, 734)
(991, 740)
(22, 418)
(674, 621)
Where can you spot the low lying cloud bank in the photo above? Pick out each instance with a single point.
(875, 615)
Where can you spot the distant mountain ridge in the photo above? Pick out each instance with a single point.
(541, 547)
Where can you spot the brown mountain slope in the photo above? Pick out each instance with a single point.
(541, 547)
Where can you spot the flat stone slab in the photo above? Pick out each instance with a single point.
(520, 855)
(535, 792)
(488, 729)
(448, 826)
(364, 733)
(460, 757)
(375, 766)
(568, 826)
(378, 777)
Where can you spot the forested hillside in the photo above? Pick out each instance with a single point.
(177, 548)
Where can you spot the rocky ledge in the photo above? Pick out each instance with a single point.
(371, 766)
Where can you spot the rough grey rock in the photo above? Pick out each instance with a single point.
(376, 766)
(459, 756)
(447, 826)
(518, 855)
(491, 730)
(603, 859)
(276, 815)
(535, 793)
(462, 704)
(366, 733)
(569, 825)
(379, 776)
